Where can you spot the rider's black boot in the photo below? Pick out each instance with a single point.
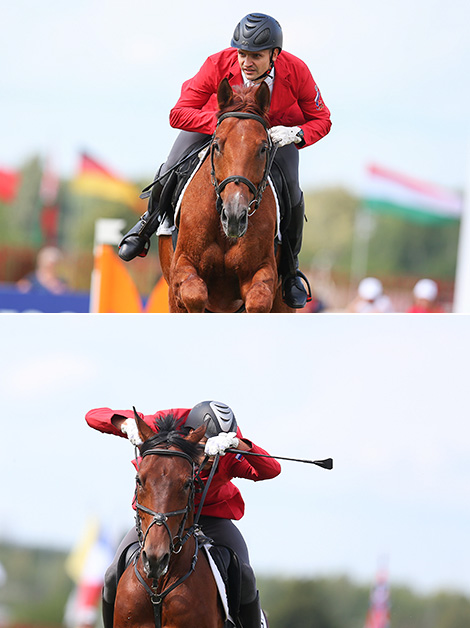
(250, 614)
(293, 290)
(136, 242)
(108, 613)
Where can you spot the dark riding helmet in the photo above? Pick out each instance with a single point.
(257, 31)
(217, 417)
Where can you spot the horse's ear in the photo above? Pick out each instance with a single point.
(263, 97)
(196, 436)
(144, 430)
(224, 94)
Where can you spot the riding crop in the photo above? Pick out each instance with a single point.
(327, 463)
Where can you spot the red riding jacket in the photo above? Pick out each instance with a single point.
(296, 99)
(223, 498)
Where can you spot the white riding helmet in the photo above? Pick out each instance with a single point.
(217, 417)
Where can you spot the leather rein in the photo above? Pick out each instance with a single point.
(161, 518)
(256, 191)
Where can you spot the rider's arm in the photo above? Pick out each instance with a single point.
(101, 419)
(297, 84)
(193, 112)
(253, 467)
(316, 113)
(110, 421)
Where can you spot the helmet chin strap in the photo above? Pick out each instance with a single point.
(267, 73)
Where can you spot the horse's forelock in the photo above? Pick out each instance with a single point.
(244, 100)
(170, 431)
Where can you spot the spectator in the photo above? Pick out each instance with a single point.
(425, 294)
(44, 278)
(370, 298)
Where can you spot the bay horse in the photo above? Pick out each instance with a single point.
(170, 584)
(225, 260)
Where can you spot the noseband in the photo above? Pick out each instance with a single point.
(256, 191)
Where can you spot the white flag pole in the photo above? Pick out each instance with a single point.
(462, 276)
(107, 231)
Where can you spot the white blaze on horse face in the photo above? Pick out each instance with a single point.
(234, 215)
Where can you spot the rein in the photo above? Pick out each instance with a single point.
(256, 191)
(161, 518)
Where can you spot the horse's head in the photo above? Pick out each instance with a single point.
(240, 154)
(165, 491)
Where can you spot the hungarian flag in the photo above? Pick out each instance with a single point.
(393, 193)
(95, 180)
(9, 184)
(378, 615)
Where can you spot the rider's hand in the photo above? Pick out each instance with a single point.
(218, 444)
(283, 135)
(129, 427)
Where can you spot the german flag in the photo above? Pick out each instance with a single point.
(95, 180)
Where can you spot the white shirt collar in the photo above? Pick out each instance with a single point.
(269, 80)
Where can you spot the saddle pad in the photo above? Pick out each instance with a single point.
(219, 581)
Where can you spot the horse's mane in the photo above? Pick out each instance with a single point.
(244, 100)
(171, 432)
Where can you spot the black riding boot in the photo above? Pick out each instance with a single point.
(293, 290)
(250, 614)
(108, 613)
(136, 242)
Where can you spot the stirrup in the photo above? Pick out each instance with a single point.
(305, 295)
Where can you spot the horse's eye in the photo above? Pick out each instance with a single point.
(263, 149)
(217, 148)
(187, 485)
(138, 481)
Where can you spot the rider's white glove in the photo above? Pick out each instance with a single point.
(218, 444)
(129, 427)
(283, 135)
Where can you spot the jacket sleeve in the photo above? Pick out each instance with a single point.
(188, 113)
(254, 468)
(100, 419)
(317, 115)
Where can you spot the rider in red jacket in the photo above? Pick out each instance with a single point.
(298, 118)
(223, 500)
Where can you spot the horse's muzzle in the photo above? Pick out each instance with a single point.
(155, 567)
(234, 220)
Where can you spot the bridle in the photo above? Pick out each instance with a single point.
(161, 518)
(256, 191)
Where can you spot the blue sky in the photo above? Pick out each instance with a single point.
(102, 75)
(385, 396)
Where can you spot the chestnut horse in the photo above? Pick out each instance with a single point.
(225, 259)
(170, 584)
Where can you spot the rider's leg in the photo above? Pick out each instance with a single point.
(294, 291)
(125, 550)
(224, 532)
(136, 242)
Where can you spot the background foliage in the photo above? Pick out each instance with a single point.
(37, 589)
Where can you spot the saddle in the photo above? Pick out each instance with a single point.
(180, 177)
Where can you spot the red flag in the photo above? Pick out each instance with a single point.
(9, 184)
(48, 193)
